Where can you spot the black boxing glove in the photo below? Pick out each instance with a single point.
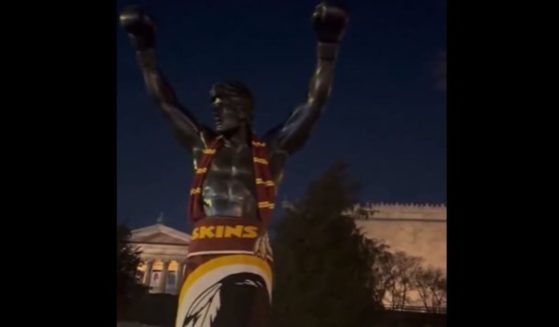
(140, 28)
(329, 21)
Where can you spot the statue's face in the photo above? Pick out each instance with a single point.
(230, 111)
(226, 117)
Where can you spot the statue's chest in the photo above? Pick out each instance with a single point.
(231, 169)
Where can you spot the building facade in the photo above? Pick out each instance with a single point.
(163, 257)
(416, 229)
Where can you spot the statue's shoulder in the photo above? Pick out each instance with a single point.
(271, 136)
(207, 136)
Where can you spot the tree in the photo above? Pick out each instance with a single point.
(401, 276)
(323, 274)
(128, 285)
(383, 278)
(430, 283)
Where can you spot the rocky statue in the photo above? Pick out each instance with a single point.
(228, 280)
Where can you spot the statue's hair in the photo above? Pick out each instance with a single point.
(234, 88)
(237, 90)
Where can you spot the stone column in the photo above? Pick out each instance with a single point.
(179, 275)
(147, 273)
(163, 281)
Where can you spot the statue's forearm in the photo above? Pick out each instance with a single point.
(293, 134)
(323, 76)
(155, 81)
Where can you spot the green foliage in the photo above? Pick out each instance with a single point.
(128, 285)
(323, 274)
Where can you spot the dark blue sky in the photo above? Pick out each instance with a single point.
(386, 117)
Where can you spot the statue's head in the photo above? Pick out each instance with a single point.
(233, 106)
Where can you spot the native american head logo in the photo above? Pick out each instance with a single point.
(221, 304)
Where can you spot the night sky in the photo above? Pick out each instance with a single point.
(386, 117)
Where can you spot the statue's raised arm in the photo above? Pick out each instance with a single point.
(329, 23)
(141, 31)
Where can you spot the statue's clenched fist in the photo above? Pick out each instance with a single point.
(329, 22)
(140, 27)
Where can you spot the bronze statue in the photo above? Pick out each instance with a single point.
(228, 280)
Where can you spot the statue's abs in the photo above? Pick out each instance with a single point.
(228, 189)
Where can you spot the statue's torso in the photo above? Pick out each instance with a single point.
(229, 186)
